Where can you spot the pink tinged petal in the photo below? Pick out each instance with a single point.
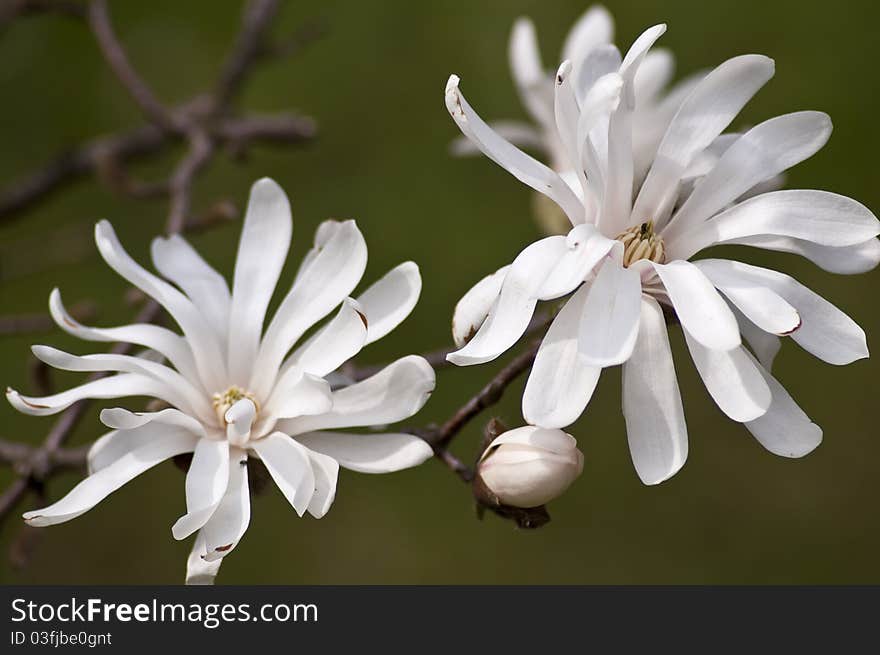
(825, 331)
(525, 168)
(760, 154)
(389, 300)
(103, 482)
(617, 198)
(396, 392)
(519, 134)
(761, 305)
(707, 111)
(118, 418)
(369, 453)
(206, 482)
(528, 72)
(610, 319)
(701, 310)
(230, 520)
(172, 346)
(765, 345)
(516, 303)
(475, 305)
(819, 217)
(844, 260)
(177, 389)
(115, 386)
(239, 419)
(561, 381)
(732, 379)
(594, 28)
(586, 247)
(262, 250)
(199, 571)
(200, 336)
(334, 344)
(322, 284)
(326, 470)
(289, 465)
(176, 260)
(655, 424)
(785, 429)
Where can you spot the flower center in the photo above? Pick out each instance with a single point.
(222, 402)
(640, 242)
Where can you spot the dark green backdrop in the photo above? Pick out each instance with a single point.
(734, 514)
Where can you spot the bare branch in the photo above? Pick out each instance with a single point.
(34, 323)
(180, 188)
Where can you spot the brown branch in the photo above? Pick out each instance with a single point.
(180, 185)
(34, 323)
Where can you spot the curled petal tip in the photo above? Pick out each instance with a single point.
(563, 71)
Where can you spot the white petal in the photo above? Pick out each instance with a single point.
(732, 379)
(206, 482)
(655, 424)
(765, 345)
(306, 396)
(594, 28)
(706, 112)
(602, 99)
(516, 303)
(475, 305)
(390, 299)
(172, 346)
(525, 168)
(369, 453)
(118, 418)
(763, 152)
(239, 419)
(176, 260)
(586, 247)
(762, 306)
(288, 463)
(230, 520)
(785, 429)
(115, 386)
(320, 286)
(108, 479)
(610, 319)
(334, 344)
(198, 571)
(600, 61)
(528, 72)
(816, 216)
(561, 382)
(265, 240)
(700, 309)
(326, 470)
(846, 260)
(825, 331)
(567, 113)
(654, 74)
(201, 338)
(396, 392)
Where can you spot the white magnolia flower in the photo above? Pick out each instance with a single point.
(235, 390)
(626, 260)
(529, 466)
(589, 46)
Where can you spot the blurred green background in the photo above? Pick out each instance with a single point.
(734, 514)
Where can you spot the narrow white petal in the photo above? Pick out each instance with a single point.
(655, 425)
(108, 479)
(239, 419)
(199, 571)
(528, 72)
(567, 114)
(173, 347)
(369, 453)
(326, 470)
(335, 343)
(118, 418)
(654, 74)
(265, 240)
(206, 483)
(602, 99)
(389, 300)
(594, 28)
(706, 112)
(307, 396)
(561, 382)
(586, 247)
(475, 305)
(525, 168)
(732, 379)
(321, 285)
(516, 303)
(289, 465)
(230, 520)
(765, 345)
(846, 260)
(610, 319)
(396, 392)
(600, 61)
(700, 309)
(825, 331)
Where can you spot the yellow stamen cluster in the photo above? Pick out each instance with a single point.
(223, 401)
(640, 242)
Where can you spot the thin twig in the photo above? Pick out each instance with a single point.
(181, 182)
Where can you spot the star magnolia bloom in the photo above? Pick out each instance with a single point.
(236, 391)
(626, 259)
